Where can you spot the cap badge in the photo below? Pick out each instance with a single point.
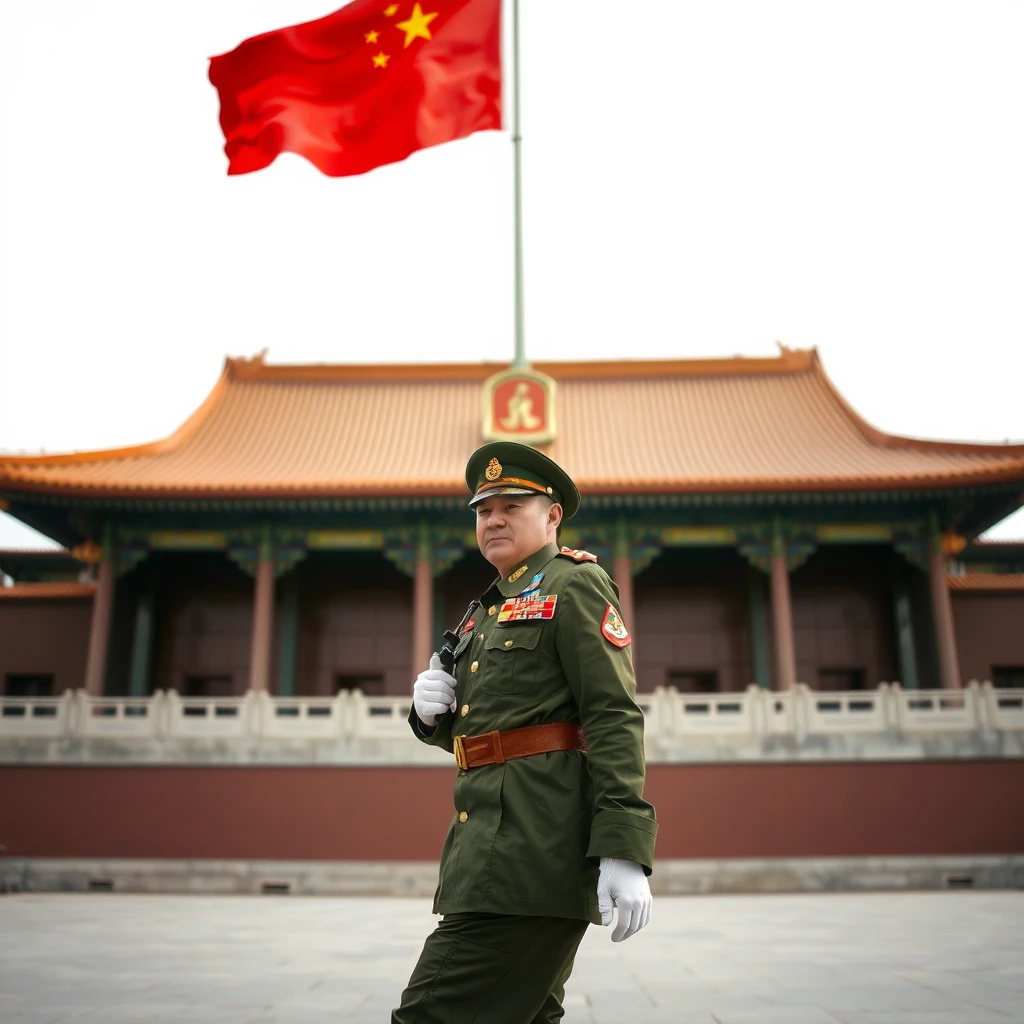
(493, 470)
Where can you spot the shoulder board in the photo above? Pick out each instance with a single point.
(578, 556)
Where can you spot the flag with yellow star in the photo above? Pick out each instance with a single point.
(365, 86)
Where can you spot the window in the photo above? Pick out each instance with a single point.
(686, 681)
(1008, 677)
(371, 685)
(831, 679)
(208, 686)
(28, 685)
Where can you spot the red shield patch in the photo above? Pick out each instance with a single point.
(614, 629)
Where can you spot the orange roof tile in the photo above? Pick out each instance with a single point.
(47, 590)
(987, 581)
(624, 427)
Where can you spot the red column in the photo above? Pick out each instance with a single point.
(423, 603)
(942, 612)
(622, 573)
(262, 616)
(99, 629)
(782, 616)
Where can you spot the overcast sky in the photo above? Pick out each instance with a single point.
(700, 179)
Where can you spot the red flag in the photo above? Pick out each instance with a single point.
(365, 86)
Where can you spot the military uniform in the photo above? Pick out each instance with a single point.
(543, 646)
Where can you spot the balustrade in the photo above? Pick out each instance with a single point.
(671, 718)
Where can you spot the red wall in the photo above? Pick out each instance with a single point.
(989, 631)
(45, 637)
(310, 813)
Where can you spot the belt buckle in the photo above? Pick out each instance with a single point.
(460, 752)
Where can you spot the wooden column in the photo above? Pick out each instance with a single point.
(904, 633)
(423, 603)
(262, 615)
(942, 612)
(622, 573)
(760, 655)
(99, 629)
(782, 614)
(142, 645)
(288, 667)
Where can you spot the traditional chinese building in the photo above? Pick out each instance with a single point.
(306, 531)
(207, 689)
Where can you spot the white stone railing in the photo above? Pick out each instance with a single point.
(671, 717)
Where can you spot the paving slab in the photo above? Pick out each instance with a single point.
(886, 958)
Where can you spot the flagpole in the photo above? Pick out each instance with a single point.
(517, 145)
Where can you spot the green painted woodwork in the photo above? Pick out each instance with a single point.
(108, 545)
(187, 540)
(760, 657)
(129, 557)
(142, 645)
(904, 634)
(344, 539)
(288, 664)
(698, 536)
(853, 533)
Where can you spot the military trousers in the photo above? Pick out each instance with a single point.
(492, 969)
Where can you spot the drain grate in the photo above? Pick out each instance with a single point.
(276, 888)
(101, 885)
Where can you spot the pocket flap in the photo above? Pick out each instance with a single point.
(516, 638)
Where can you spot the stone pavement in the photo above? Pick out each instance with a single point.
(906, 958)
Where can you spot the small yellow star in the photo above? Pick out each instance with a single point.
(381, 60)
(416, 26)
(371, 37)
(390, 12)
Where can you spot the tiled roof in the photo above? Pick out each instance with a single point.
(47, 590)
(626, 427)
(987, 581)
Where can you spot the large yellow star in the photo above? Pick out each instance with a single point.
(371, 37)
(416, 26)
(381, 60)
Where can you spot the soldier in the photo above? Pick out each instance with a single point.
(551, 830)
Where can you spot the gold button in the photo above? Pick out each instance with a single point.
(491, 610)
(463, 816)
(474, 666)
(465, 710)
(508, 643)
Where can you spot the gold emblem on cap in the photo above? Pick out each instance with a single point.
(493, 470)
(519, 572)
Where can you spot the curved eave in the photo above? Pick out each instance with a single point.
(1004, 474)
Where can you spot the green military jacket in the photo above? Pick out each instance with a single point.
(527, 836)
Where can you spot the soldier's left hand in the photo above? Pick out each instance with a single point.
(623, 884)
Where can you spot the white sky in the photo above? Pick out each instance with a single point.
(700, 179)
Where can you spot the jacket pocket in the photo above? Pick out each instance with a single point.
(512, 659)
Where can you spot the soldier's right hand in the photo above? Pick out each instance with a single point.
(433, 693)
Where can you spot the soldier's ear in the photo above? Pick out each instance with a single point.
(555, 514)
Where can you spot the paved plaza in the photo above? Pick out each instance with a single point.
(913, 958)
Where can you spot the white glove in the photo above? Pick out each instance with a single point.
(623, 884)
(433, 693)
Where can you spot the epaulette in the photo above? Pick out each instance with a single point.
(578, 556)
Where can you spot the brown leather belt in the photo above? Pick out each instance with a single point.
(498, 747)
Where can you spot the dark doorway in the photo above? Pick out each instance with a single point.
(28, 685)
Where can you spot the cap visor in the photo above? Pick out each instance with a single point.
(496, 491)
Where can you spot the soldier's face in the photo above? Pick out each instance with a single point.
(510, 528)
